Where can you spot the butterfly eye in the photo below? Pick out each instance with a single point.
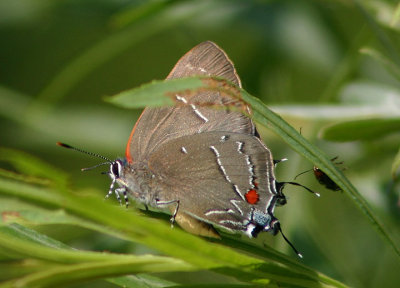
(116, 169)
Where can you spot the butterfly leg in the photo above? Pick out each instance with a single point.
(276, 161)
(118, 197)
(111, 190)
(122, 190)
(163, 203)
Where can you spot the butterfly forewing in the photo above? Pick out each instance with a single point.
(205, 59)
(204, 165)
(193, 114)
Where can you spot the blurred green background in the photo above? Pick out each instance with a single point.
(316, 63)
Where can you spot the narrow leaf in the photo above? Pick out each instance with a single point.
(155, 93)
(383, 60)
(396, 165)
(69, 274)
(361, 129)
(28, 164)
(149, 231)
(396, 16)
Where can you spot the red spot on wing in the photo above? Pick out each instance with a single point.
(252, 196)
(128, 146)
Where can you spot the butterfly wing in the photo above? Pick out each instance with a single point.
(205, 59)
(228, 176)
(158, 125)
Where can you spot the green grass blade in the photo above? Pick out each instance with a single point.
(22, 242)
(24, 213)
(69, 274)
(23, 234)
(29, 243)
(396, 16)
(383, 60)
(26, 163)
(151, 94)
(39, 246)
(379, 33)
(396, 165)
(149, 231)
(368, 129)
(140, 281)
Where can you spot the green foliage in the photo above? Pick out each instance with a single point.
(59, 205)
(361, 129)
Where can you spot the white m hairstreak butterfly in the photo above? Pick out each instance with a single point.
(208, 166)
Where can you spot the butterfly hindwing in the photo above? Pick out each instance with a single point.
(226, 175)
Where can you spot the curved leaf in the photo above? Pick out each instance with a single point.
(396, 165)
(367, 129)
(198, 252)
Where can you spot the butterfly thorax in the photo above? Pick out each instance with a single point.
(137, 179)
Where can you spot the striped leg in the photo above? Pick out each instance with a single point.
(164, 203)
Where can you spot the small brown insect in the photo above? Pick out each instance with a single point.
(324, 179)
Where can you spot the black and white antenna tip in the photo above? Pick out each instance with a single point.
(83, 151)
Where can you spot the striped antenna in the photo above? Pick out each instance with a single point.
(88, 153)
